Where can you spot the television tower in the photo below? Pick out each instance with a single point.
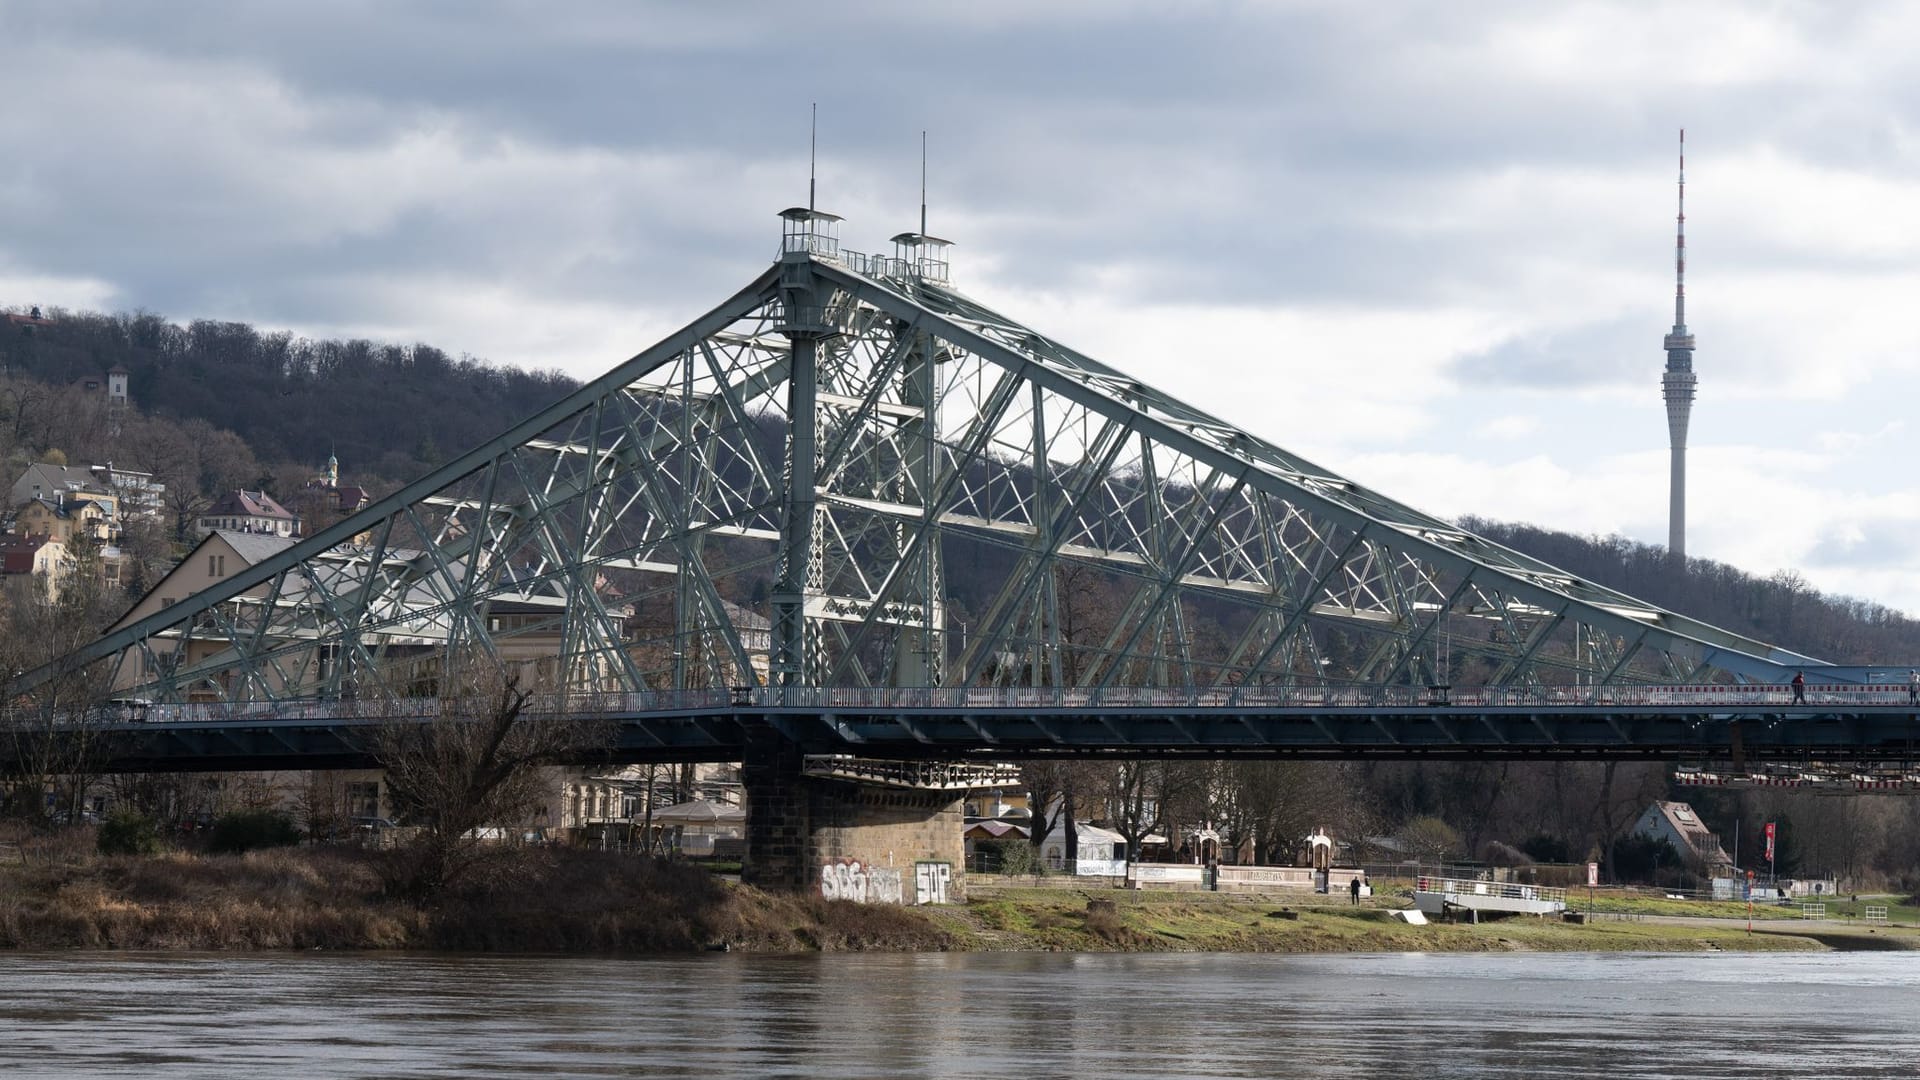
(1676, 384)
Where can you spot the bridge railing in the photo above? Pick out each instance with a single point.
(1331, 696)
(1503, 890)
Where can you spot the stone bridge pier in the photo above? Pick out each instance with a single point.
(877, 832)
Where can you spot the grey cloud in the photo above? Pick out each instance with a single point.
(1239, 156)
(1881, 543)
(1618, 351)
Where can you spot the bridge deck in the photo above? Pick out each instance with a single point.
(1860, 724)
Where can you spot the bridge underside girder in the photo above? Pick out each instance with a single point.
(721, 733)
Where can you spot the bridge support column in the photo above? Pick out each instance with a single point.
(846, 841)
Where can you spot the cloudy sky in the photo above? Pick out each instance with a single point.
(1428, 245)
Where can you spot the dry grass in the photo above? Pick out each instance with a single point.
(263, 900)
(556, 900)
(522, 900)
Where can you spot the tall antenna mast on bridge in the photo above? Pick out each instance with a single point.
(1677, 383)
(813, 146)
(923, 182)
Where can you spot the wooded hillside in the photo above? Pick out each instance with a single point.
(387, 410)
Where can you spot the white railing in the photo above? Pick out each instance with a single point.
(1875, 913)
(1813, 911)
(1503, 890)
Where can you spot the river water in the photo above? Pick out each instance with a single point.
(1001, 1015)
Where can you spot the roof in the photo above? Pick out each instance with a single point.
(1681, 818)
(62, 509)
(996, 830)
(62, 478)
(253, 546)
(1087, 834)
(17, 553)
(242, 503)
(1685, 823)
(804, 213)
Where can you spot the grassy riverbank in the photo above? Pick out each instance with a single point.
(554, 900)
(1171, 922)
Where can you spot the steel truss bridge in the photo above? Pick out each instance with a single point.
(966, 539)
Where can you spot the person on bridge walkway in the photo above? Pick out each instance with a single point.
(1353, 888)
(1799, 688)
(1913, 686)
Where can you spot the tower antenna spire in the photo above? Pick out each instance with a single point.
(813, 143)
(1680, 246)
(923, 183)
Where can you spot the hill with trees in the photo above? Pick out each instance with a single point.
(1781, 608)
(389, 410)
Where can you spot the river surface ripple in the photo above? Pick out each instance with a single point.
(999, 1015)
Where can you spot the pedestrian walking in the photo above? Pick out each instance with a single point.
(1353, 888)
(1799, 688)
(1913, 686)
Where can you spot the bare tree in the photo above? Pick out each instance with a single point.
(477, 763)
(55, 735)
(1135, 795)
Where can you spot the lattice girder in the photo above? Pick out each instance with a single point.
(829, 443)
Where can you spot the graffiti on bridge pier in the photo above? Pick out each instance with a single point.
(851, 879)
(931, 881)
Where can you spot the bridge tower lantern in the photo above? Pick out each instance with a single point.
(922, 256)
(805, 231)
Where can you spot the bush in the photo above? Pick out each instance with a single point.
(126, 832)
(251, 829)
(1013, 856)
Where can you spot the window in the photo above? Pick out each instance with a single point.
(363, 799)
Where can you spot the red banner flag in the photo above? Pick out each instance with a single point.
(1769, 841)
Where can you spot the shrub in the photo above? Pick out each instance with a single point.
(127, 832)
(1103, 921)
(1013, 856)
(251, 829)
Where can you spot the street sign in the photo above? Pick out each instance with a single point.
(1593, 874)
